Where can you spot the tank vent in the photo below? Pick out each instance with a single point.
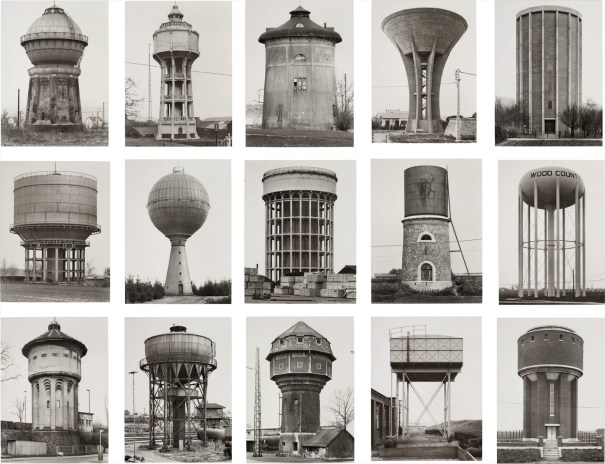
(178, 328)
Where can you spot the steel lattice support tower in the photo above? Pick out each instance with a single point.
(258, 448)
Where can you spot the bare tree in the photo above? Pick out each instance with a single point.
(4, 269)
(4, 119)
(344, 104)
(12, 271)
(343, 407)
(570, 116)
(589, 119)
(107, 272)
(19, 410)
(132, 101)
(6, 364)
(90, 267)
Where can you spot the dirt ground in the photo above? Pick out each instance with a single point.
(271, 457)
(213, 453)
(152, 142)
(18, 292)
(256, 137)
(184, 300)
(60, 139)
(293, 299)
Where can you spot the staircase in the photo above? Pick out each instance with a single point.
(550, 451)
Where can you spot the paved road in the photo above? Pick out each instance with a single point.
(89, 458)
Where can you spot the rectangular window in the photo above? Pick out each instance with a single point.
(545, 337)
(55, 354)
(43, 355)
(318, 365)
(552, 399)
(319, 341)
(299, 340)
(295, 446)
(281, 366)
(300, 83)
(560, 338)
(532, 338)
(48, 404)
(550, 104)
(299, 365)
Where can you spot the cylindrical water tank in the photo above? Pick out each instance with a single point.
(55, 206)
(550, 346)
(299, 178)
(176, 36)
(179, 346)
(426, 191)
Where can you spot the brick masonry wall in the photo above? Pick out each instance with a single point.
(415, 253)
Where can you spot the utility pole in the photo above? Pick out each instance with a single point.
(134, 418)
(458, 105)
(88, 400)
(18, 108)
(149, 82)
(25, 415)
(346, 103)
(258, 448)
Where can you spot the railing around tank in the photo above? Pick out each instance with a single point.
(295, 169)
(177, 75)
(54, 35)
(49, 173)
(61, 243)
(181, 357)
(94, 228)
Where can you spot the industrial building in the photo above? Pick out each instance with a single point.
(383, 417)
(175, 48)
(551, 233)
(54, 214)
(426, 264)
(301, 364)
(54, 372)
(300, 82)
(299, 215)
(549, 66)
(178, 206)
(424, 38)
(55, 46)
(178, 365)
(550, 362)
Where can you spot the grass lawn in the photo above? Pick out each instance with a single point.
(404, 137)
(551, 143)
(256, 137)
(19, 291)
(11, 138)
(395, 292)
(592, 297)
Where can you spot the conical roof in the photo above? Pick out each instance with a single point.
(54, 335)
(300, 329)
(300, 25)
(314, 341)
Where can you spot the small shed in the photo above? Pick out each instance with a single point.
(330, 444)
(93, 122)
(393, 119)
(348, 269)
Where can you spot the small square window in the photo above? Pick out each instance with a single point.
(299, 365)
(318, 365)
(281, 342)
(280, 366)
(55, 354)
(43, 355)
(299, 340)
(545, 337)
(35, 357)
(522, 341)
(318, 340)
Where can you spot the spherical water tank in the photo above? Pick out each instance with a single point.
(178, 204)
(546, 181)
(426, 191)
(55, 206)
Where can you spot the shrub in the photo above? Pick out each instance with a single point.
(222, 300)
(500, 134)
(389, 443)
(214, 288)
(512, 133)
(470, 288)
(376, 123)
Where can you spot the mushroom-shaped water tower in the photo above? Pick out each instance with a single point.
(424, 37)
(55, 45)
(178, 364)
(178, 206)
(555, 237)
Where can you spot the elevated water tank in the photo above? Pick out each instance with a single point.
(426, 191)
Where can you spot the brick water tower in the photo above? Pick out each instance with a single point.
(300, 364)
(426, 261)
(300, 76)
(550, 362)
(55, 45)
(175, 48)
(424, 38)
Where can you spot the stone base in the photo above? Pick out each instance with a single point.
(434, 286)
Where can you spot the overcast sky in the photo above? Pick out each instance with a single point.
(261, 331)
(506, 43)
(510, 173)
(344, 210)
(387, 229)
(208, 250)
(92, 331)
(98, 251)
(591, 403)
(212, 20)
(261, 14)
(90, 16)
(389, 81)
(137, 330)
(466, 389)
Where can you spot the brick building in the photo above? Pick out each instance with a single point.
(382, 416)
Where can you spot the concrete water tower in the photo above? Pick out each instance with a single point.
(54, 372)
(555, 236)
(299, 220)
(300, 80)
(424, 38)
(550, 363)
(178, 365)
(300, 364)
(426, 261)
(178, 206)
(175, 48)
(54, 213)
(55, 45)
(549, 65)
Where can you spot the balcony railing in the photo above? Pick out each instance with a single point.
(54, 35)
(175, 97)
(178, 118)
(177, 75)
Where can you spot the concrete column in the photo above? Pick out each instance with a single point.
(542, 86)
(584, 244)
(172, 99)
(35, 404)
(577, 292)
(557, 78)
(35, 263)
(449, 408)
(564, 236)
(546, 239)
(56, 279)
(528, 250)
(53, 404)
(557, 236)
(529, 70)
(520, 244)
(535, 239)
(569, 58)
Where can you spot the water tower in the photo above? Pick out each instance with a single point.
(426, 261)
(300, 78)
(299, 220)
(550, 364)
(54, 213)
(415, 357)
(55, 45)
(178, 206)
(54, 372)
(300, 364)
(556, 235)
(424, 37)
(175, 48)
(178, 365)
(549, 65)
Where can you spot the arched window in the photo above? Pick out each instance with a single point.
(426, 272)
(426, 237)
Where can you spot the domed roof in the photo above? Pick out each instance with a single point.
(53, 20)
(178, 204)
(301, 25)
(54, 335)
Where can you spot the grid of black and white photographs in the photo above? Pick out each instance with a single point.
(325, 194)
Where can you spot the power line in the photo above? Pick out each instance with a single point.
(199, 72)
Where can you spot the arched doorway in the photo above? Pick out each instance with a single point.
(426, 272)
